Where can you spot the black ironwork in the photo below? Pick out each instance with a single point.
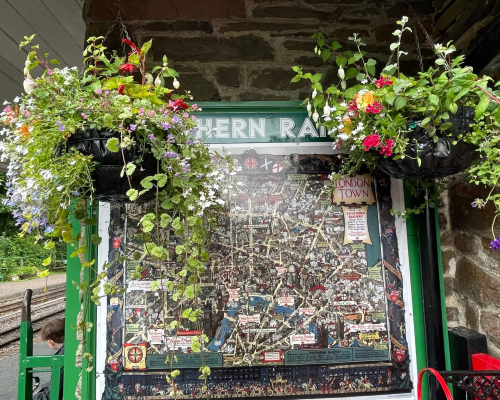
(482, 385)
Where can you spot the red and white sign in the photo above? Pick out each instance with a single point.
(173, 343)
(277, 168)
(145, 286)
(356, 225)
(189, 333)
(250, 163)
(367, 327)
(307, 311)
(249, 319)
(286, 301)
(272, 356)
(303, 339)
(281, 270)
(400, 355)
(116, 243)
(233, 294)
(155, 336)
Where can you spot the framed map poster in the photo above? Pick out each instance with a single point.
(302, 295)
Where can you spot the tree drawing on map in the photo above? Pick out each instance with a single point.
(280, 281)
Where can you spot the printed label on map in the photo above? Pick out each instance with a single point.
(248, 319)
(263, 330)
(145, 286)
(354, 190)
(367, 327)
(344, 303)
(272, 356)
(183, 360)
(132, 328)
(178, 342)
(286, 301)
(303, 339)
(155, 336)
(369, 336)
(356, 225)
(307, 311)
(233, 294)
(281, 270)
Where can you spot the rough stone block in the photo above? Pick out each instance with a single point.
(463, 216)
(452, 314)
(275, 79)
(475, 283)
(466, 244)
(423, 7)
(201, 88)
(168, 26)
(302, 45)
(449, 285)
(446, 238)
(212, 49)
(249, 96)
(490, 322)
(249, 25)
(201, 10)
(309, 61)
(228, 76)
(446, 257)
(472, 316)
(443, 222)
(293, 11)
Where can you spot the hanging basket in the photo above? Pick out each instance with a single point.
(108, 184)
(438, 159)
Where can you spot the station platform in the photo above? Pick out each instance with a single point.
(16, 289)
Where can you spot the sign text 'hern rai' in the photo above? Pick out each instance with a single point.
(257, 129)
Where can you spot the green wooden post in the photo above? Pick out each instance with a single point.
(71, 372)
(25, 382)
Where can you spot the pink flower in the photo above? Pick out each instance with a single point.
(84, 116)
(185, 115)
(195, 106)
(374, 108)
(49, 72)
(383, 81)
(99, 91)
(386, 149)
(141, 111)
(371, 141)
(151, 113)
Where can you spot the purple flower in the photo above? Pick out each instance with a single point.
(84, 116)
(189, 142)
(170, 139)
(99, 91)
(76, 193)
(132, 127)
(473, 204)
(143, 121)
(495, 245)
(175, 119)
(170, 154)
(165, 126)
(26, 113)
(61, 126)
(176, 174)
(49, 229)
(151, 136)
(185, 169)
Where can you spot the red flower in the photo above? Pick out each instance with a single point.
(383, 81)
(353, 107)
(371, 141)
(134, 47)
(127, 67)
(374, 108)
(174, 105)
(386, 149)
(120, 89)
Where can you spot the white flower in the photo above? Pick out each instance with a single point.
(28, 86)
(315, 116)
(16, 100)
(59, 188)
(6, 102)
(343, 104)
(364, 81)
(404, 19)
(157, 81)
(343, 136)
(176, 84)
(314, 93)
(309, 107)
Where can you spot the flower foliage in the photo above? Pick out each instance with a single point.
(372, 114)
(47, 184)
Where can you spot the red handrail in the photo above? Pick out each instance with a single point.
(440, 379)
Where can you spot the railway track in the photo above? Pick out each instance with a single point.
(44, 307)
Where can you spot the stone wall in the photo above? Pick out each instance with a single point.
(471, 269)
(244, 49)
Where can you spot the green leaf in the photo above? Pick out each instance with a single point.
(130, 169)
(146, 183)
(482, 106)
(112, 145)
(325, 55)
(390, 97)
(108, 120)
(176, 199)
(186, 312)
(316, 77)
(400, 103)
(44, 273)
(371, 69)
(336, 45)
(393, 46)
(46, 262)
(460, 94)
(96, 239)
(54, 61)
(165, 219)
(49, 245)
(434, 99)
(453, 108)
(371, 61)
(295, 79)
(351, 73)
(132, 194)
(341, 61)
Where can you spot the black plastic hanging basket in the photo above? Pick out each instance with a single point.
(108, 184)
(438, 159)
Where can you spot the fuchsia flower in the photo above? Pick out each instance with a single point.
(374, 108)
(371, 141)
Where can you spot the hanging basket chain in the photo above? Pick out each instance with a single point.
(420, 60)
